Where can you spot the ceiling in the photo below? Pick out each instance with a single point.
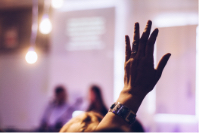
(10, 4)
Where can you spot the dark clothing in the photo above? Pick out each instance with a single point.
(103, 110)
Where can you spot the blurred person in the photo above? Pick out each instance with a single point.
(84, 122)
(140, 77)
(96, 103)
(58, 111)
(88, 121)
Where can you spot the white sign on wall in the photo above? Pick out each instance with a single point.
(85, 33)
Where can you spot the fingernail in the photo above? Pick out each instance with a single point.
(149, 22)
(126, 37)
(169, 55)
(156, 29)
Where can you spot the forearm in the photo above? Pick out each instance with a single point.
(131, 99)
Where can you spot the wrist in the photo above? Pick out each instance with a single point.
(131, 100)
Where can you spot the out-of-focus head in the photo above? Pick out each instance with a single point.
(85, 122)
(60, 94)
(88, 121)
(95, 93)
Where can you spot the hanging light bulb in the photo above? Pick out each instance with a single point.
(45, 26)
(31, 56)
(57, 3)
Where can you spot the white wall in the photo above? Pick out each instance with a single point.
(79, 68)
(23, 91)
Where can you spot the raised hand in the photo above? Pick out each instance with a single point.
(140, 75)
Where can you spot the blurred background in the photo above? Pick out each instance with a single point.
(78, 43)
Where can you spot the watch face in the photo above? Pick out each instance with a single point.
(123, 112)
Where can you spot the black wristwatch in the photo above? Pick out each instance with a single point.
(123, 111)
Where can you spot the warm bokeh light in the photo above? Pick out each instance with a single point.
(31, 57)
(45, 26)
(57, 3)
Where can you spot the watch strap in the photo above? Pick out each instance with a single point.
(123, 111)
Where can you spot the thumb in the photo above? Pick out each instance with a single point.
(162, 63)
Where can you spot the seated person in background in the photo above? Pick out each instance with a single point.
(139, 79)
(96, 103)
(57, 113)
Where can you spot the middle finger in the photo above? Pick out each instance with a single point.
(144, 39)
